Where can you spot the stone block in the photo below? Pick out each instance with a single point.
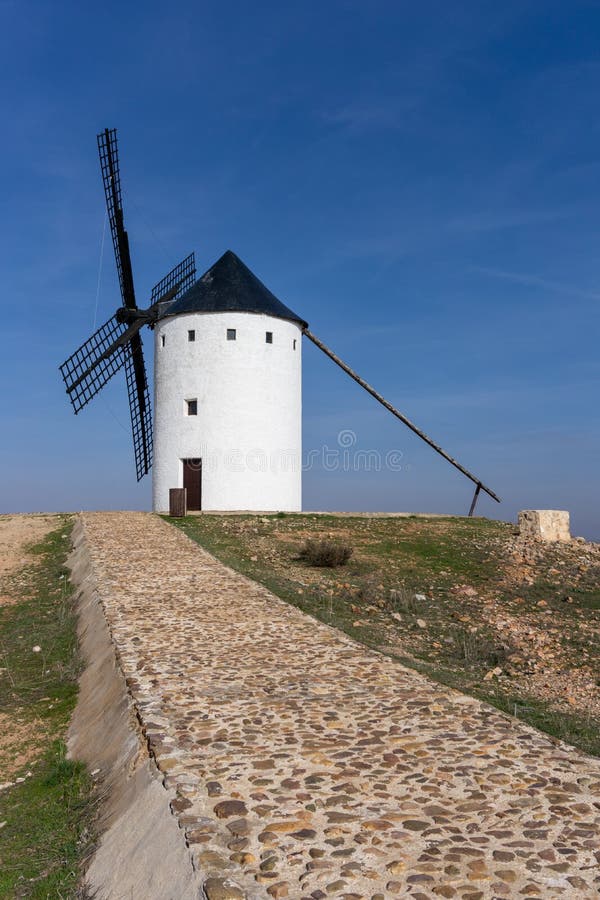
(545, 524)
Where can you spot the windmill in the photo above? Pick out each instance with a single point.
(227, 379)
(118, 344)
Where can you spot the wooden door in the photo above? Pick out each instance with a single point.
(192, 480)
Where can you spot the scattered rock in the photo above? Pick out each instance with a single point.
(223, 889)
(396, 867)
(227, 808)
(493, 673)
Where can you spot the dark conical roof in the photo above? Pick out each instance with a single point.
(230, 286)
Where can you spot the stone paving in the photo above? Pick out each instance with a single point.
(306, 766)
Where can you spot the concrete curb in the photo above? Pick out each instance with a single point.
(141, 852)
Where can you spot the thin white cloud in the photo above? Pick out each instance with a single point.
(434, 231)
(364, 115)
(490, 220)
(537, 282)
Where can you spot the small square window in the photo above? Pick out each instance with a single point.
(162, 340)
(192, 407)
(231, 335)
(269, 337)
(191, 335)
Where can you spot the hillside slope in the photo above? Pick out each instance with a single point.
(467, 601)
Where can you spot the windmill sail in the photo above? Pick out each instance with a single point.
(118, 343)
(132, 354)
(111, 179)
(139, 406)
(92, 366)
(181, 278)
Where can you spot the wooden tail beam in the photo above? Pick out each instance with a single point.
(480, 486)
(474, 500)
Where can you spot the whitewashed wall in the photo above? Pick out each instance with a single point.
(248, 430)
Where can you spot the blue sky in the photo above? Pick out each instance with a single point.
(419, 181)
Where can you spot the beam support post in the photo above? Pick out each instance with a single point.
(474, 500)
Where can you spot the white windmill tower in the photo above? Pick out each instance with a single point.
(228, 367)
(228, 395)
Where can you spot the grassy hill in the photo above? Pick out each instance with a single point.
(44, 797)
(465, 601)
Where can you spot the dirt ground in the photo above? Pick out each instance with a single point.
(19, 739)
(16, 534)
(18, 745)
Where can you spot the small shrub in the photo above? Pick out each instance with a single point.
(477, 648)
(325, 553)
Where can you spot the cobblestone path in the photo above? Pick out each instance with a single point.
(308, 767)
